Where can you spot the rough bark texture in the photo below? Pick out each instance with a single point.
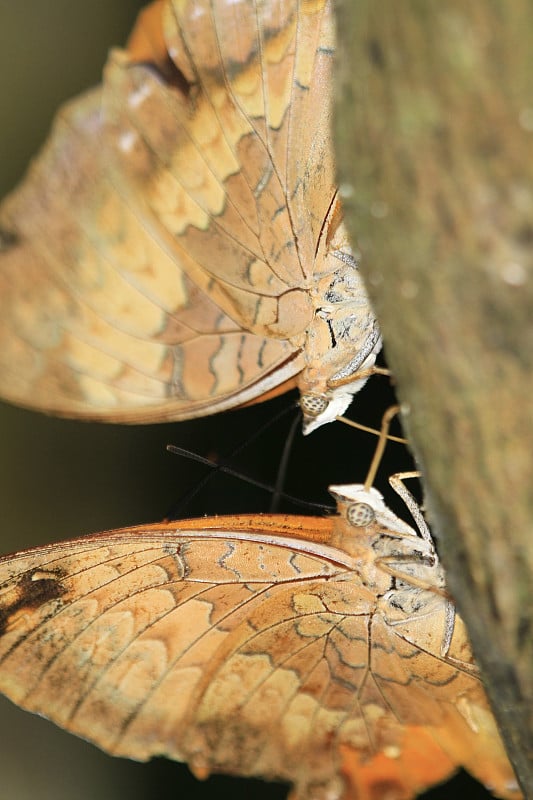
(435, 135)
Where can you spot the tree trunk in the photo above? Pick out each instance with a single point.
(435, 134)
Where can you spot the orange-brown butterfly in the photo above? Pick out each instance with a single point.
(178, 247)
(323, 652)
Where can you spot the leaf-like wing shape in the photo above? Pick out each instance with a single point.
(246, 645)
(178, 246)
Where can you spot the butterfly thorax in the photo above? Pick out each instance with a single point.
(389, 554)
(342, 339)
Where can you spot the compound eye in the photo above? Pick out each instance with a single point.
(313, 405)
(360, 515)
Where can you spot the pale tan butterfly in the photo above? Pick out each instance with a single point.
(322, 652)
(178, 247)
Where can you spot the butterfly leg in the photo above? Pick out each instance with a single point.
(397, 483)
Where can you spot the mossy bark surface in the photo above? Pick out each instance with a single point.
(434, 130)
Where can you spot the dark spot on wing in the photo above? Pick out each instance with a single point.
(34, 589)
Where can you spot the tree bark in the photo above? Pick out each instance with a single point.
(435, 132)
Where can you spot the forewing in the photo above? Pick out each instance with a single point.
(213, 649)
(247, 646)
(156, 261)
(249, 105)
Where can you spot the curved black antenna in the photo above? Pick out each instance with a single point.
(176, 509)
(284, 462)
(227, 470)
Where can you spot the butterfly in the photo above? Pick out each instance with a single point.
(319, 651)
(178, 247)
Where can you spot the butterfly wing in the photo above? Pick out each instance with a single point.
(421, 666)
(246, 646)
(203, 647)
(163, 256)
(99, 318)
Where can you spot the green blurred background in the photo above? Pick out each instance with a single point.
(60, 478)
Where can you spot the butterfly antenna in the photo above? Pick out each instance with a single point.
(265, 427)
(227, 470)
(222, 466)
(283, 464)
(382, 443)
(175, 511)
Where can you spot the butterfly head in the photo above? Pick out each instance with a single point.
(361, 507)
(367, 527)
(319, 409)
